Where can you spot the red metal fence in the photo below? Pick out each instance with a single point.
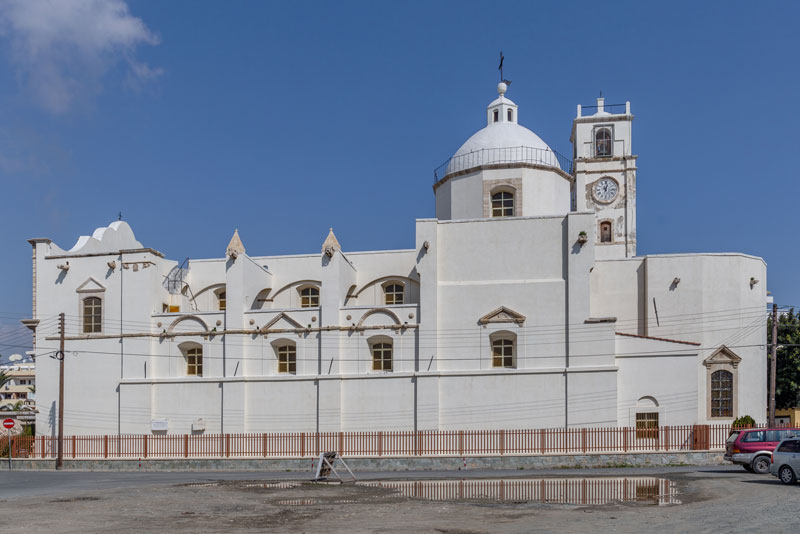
(393, 443)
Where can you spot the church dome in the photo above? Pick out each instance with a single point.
(502, 141)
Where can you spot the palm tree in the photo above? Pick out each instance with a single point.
(4, 378)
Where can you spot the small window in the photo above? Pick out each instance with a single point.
(92, 315)
(174, 309)
(503, 353)
(647, 425)
(721, 394)
(382, 357)
(309, 297)
(394, 293)
(222, 298)
(496, 115)
(510, 116)
(503, 204)
(602, 143)
(194, 361)
(287, 359)
(605, 232)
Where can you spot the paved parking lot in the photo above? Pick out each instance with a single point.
(713, 499)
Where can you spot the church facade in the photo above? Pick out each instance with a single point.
(523, 304)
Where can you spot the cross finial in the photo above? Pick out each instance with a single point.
(119, 217)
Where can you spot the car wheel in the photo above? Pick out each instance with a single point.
(787, 475)
(748, 468)
(761, 465)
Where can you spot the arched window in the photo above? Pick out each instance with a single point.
(721, 394)
(222, 299)
(382, 356)
(92, 315)
(309, 297)
(496, 115)
(510, 116)
(394, 293)
(503, 204)
(287, 359)
(602, 143)
(605, 232)
(194, 361)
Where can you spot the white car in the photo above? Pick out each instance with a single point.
(785, 463)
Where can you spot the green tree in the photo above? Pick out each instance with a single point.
(4, 378)
(787, 384)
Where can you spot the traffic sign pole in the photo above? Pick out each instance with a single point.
(8, 424)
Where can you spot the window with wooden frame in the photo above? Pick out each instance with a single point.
(503, 204)
(393, 293)
(92, 315)
(647, 425)
(309, 297)
(603, 143)
(605, 232)
(721, 394)
(382, 356)
(222, 300)
(194, 361)
(287, 359)
(503, 352)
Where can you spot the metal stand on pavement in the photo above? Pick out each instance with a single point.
(325, 466)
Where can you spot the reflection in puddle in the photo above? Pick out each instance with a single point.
(299, 502)
(273, 485)
(587, 491)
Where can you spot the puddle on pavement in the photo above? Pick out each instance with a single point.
(576, 491)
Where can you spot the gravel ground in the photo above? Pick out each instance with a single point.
(713, 500)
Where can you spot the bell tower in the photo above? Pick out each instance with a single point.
(605, 177)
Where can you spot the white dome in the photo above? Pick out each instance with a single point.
(502, 143)
(502, 135)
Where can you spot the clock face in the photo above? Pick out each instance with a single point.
(606, 189)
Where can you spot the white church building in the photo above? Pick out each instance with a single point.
(522, 304)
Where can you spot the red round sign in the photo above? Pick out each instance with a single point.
(8, 423)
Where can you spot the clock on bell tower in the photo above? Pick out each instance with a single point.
(605, 176)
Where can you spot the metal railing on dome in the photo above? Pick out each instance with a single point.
(498, 156)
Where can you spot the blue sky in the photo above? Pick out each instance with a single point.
(283, 119)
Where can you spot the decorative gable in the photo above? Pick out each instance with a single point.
(502, 315)
(287, 319)
(723, 356)
(90, 286)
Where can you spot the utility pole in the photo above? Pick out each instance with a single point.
(60, 356)
(773, 370)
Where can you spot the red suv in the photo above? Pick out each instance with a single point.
(752, 448)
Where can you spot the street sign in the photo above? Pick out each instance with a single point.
(8, 423)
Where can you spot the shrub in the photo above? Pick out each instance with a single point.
(744, 421)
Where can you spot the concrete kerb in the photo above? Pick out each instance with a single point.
(424, 463)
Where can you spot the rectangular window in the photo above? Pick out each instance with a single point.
(754, 437)
(382, 357)
(309, 297)
(194, 362)
(287, 359)
(174, 309)
(92, 315)
(647, 425)
(222, 296)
